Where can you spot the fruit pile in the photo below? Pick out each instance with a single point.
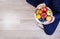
(44, 14)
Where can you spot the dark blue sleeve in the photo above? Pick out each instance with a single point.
(37, 2)
(50, 29)
(56, 5)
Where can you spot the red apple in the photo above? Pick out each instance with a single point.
(44, 15)
(44, 10)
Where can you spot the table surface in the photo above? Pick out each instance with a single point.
(17, 22)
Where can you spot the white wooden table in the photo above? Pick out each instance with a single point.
(17, 21)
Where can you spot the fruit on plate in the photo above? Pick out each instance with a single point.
(44, 14)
